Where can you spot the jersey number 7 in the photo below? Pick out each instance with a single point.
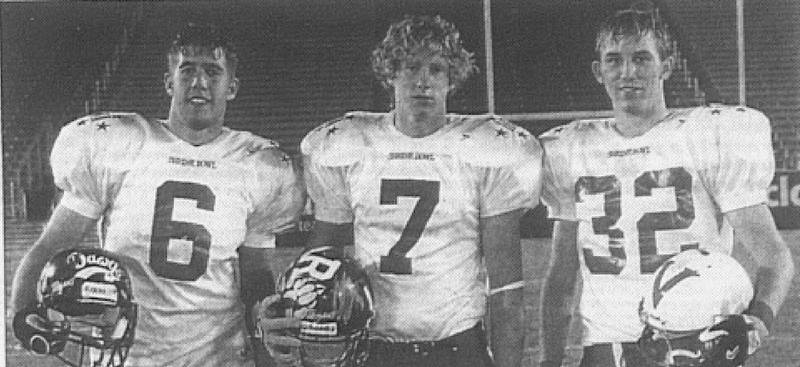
(396, 261)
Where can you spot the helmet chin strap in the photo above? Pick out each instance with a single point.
(673, 353)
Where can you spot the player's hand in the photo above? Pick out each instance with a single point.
(757, 334)
(283, 348)
(743, 325)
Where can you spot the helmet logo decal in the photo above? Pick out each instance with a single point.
(659, 290)
(108, 275)
(80, 260)
(319, 328)
(732, 353)
(100, 292)
(304, 293)
(318, 267)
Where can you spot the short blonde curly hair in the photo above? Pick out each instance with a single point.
(412, 32)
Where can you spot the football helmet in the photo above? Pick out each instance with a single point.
(330, 294)
(84, 297)
(692, 312)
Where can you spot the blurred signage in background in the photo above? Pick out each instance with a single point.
(784, 199)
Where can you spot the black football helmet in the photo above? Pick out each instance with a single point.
(330, 293)
(84, 298)
(693, 312)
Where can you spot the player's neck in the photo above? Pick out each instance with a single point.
(632, 123)
(182, 130)
(418, 125)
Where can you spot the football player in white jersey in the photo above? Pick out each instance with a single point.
(181, 200)
(433, 201)
(630, 191)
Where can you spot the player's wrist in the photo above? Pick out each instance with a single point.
(763, 312)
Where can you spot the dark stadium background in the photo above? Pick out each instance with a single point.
(307, 61)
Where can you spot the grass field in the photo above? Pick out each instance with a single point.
(781, 349)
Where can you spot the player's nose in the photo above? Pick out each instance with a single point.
(200, 80)
(628, 69)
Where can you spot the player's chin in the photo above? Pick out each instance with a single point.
(199, 122)
(630, 102)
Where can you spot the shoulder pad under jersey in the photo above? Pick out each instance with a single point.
(718, 111)
(340, 142)
(489, 140)
(266, 151)
(107, 140)
(107, 130)
(712, 118)
(573, 128)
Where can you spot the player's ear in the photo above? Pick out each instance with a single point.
(596, 71)
(233, 89)
(666, 67)
(168, 83)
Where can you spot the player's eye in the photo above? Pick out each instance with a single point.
(213, 72)
(437, 69)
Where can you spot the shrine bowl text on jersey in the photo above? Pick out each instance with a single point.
(177, 214)
(642, 199)
(415, 204)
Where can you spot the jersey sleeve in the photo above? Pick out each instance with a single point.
(557, 191)
(325, 169)
(744, 163)
(515, 185)
(88, 160)
(508, 164)
(278, 199)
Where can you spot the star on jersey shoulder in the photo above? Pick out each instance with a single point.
(332, 130)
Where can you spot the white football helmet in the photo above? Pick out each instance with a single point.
(692, 312)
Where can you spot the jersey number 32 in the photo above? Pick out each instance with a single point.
(647, 225)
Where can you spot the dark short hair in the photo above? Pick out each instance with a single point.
(435, 33)
(202, 39)
(635, 23)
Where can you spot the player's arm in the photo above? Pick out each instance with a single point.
(500, 240)
(257, 282)
(744, 170)
(557, 292)
(64, 230)
(279, 200)
(755, 229)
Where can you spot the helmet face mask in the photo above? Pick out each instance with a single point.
(330, 294)
(675, 349)
(332, 352)
(692, 314)
(85, 301)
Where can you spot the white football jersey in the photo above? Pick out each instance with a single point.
(415, 204)
(641, 200)
(177, 214)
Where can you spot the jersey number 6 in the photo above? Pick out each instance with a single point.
(164, 229)
(396, 261)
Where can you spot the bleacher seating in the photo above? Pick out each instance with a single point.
(301, 68)
(772, 59)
